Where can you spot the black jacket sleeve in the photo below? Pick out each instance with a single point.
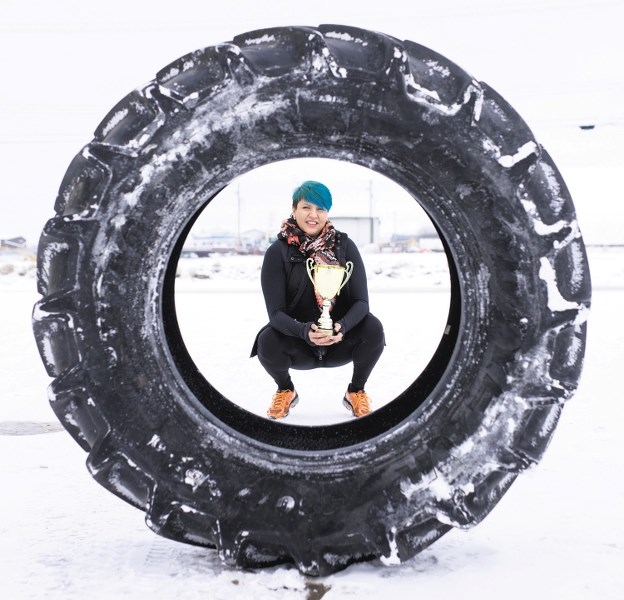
(273, 282)
(358, 290)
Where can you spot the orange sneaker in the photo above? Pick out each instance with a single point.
(357, 402)
(281, 403)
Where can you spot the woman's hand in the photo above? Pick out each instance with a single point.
(319, 338)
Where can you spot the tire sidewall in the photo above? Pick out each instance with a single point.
(195, 156)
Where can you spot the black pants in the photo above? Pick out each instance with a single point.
(362, 345)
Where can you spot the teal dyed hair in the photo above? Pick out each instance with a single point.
(314, 192)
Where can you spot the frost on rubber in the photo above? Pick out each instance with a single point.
(440, 455)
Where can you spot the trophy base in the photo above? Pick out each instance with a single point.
(325, 325)
(325, 331)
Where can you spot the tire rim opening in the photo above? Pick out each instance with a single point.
(219, 306)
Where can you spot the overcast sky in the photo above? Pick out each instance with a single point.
(66, 63)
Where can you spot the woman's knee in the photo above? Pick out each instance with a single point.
(269, 340)
(373, 329)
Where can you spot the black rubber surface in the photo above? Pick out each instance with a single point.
(384, 486)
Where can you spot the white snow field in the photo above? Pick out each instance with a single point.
(557, 533)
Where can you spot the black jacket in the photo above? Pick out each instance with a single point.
(289, 294)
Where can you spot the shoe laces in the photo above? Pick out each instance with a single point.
(360, 400)
(281, 399)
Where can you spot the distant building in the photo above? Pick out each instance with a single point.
(14, 242)
(254, 241)
(362, 230)
(425, 242)
(431, 242)
(402, 243)
(200, 243)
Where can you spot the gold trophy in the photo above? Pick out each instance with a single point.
(328, 280)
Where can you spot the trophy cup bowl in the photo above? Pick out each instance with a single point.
(328, 280)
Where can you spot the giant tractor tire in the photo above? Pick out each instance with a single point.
(204, 470)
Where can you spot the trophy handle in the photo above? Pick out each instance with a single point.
(309, 268)
(348, 271)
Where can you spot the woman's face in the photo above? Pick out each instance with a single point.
(310, 218)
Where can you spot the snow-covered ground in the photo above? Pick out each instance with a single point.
(557, 533)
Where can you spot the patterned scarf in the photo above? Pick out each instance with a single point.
(320, 248)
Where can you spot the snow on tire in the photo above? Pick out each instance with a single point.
(385, 486)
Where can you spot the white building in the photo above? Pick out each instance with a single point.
(362, 230)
